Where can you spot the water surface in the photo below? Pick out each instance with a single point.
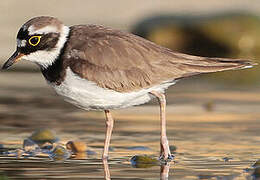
(214, 127)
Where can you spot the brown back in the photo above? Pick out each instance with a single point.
(124, 62)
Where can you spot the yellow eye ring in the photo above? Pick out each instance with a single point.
(34, 40)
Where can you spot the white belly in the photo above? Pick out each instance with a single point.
(87, 95)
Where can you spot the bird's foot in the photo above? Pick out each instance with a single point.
(165, 159)
(165, 155)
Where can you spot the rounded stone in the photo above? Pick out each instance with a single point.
(143, 161)
(59, 153)
(76, 146)
(41, 136)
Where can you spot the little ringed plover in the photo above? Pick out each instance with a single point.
(99, 68)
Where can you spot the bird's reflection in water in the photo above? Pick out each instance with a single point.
(106, 170)
(164, 171)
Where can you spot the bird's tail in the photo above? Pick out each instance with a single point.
(192, 65)
(222, 64)
(197, 64)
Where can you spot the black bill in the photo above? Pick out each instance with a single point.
(13, 59)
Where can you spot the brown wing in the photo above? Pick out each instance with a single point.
(125, 62)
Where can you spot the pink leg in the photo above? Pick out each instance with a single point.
(109, 128)
(165, 150)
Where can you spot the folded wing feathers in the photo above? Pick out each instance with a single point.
(196, 64)
(125, 62)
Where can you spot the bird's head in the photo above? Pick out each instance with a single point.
(39, 40)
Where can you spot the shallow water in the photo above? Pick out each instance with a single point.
(215, 130)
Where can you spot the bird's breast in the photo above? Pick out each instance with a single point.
(89, 96)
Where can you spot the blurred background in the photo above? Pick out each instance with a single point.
(216, 114)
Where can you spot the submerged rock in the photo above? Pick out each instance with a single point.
(143, 161)
(59, 153)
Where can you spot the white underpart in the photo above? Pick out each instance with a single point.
(246, 67)
(21, 43)
(46, 58)
(87, 95)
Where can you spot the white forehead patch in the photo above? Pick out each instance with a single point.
(45, 30)
(24, 27)
(21, 43)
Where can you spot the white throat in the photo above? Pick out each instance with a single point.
(46, 58)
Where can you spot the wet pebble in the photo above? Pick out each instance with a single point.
(43, 136)
(143, 161)
(76, 146)
(29, 145)
(173, 148)
(47, 146)
(138, 148)
(59, 153)
(226, 159)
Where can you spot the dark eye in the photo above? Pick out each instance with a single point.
(34, 40)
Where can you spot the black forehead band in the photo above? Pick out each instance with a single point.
(22, 34)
